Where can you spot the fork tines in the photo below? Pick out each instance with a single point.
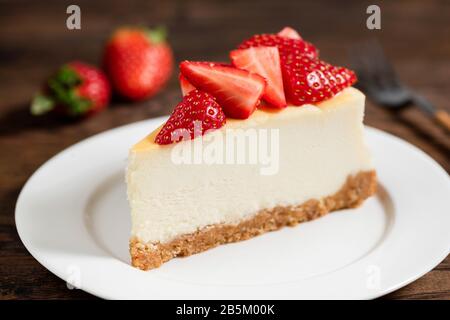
(372, 67)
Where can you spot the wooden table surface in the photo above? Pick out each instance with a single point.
(34, 40)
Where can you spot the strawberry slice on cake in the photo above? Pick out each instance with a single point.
(288, 32)
(286, 46)
(309, 80)
(237, 91)
(264, 61)
(306, 79)
(197, 113)
(185, 85)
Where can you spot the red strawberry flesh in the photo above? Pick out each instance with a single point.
(289, 32)
(264, 61)
(197, 113)
(286, 46)
(237, 91)
(309, 80)
(185, 85)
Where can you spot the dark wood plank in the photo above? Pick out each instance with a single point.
(34, 40)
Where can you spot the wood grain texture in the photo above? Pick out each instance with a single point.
(34, 40)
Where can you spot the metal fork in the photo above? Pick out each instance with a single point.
(377, 78)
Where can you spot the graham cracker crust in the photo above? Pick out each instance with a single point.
(356, 189)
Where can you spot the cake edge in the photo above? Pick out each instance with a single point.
(352, 194)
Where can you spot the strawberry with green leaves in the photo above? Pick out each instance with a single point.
(76, 90)
(138, 61)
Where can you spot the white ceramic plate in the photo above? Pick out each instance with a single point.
(73, 217)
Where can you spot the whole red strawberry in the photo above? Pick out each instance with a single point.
(197, 113)
(76, 90)
(138, 61)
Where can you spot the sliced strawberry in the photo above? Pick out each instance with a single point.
(309, 80)
(287, 47)
(237, 91)
(288, 32)
(192, 117)
(264, 61)
(185, 85)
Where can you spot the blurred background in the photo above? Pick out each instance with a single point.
(34, 41)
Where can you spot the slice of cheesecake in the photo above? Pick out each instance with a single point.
(221, 170)
(183, 208)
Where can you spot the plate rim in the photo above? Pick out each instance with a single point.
(35, 254)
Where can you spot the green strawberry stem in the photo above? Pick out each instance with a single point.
(41, 104)
(62, 91)
(157, 35)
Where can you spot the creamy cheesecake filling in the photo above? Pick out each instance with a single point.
(320, 146)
